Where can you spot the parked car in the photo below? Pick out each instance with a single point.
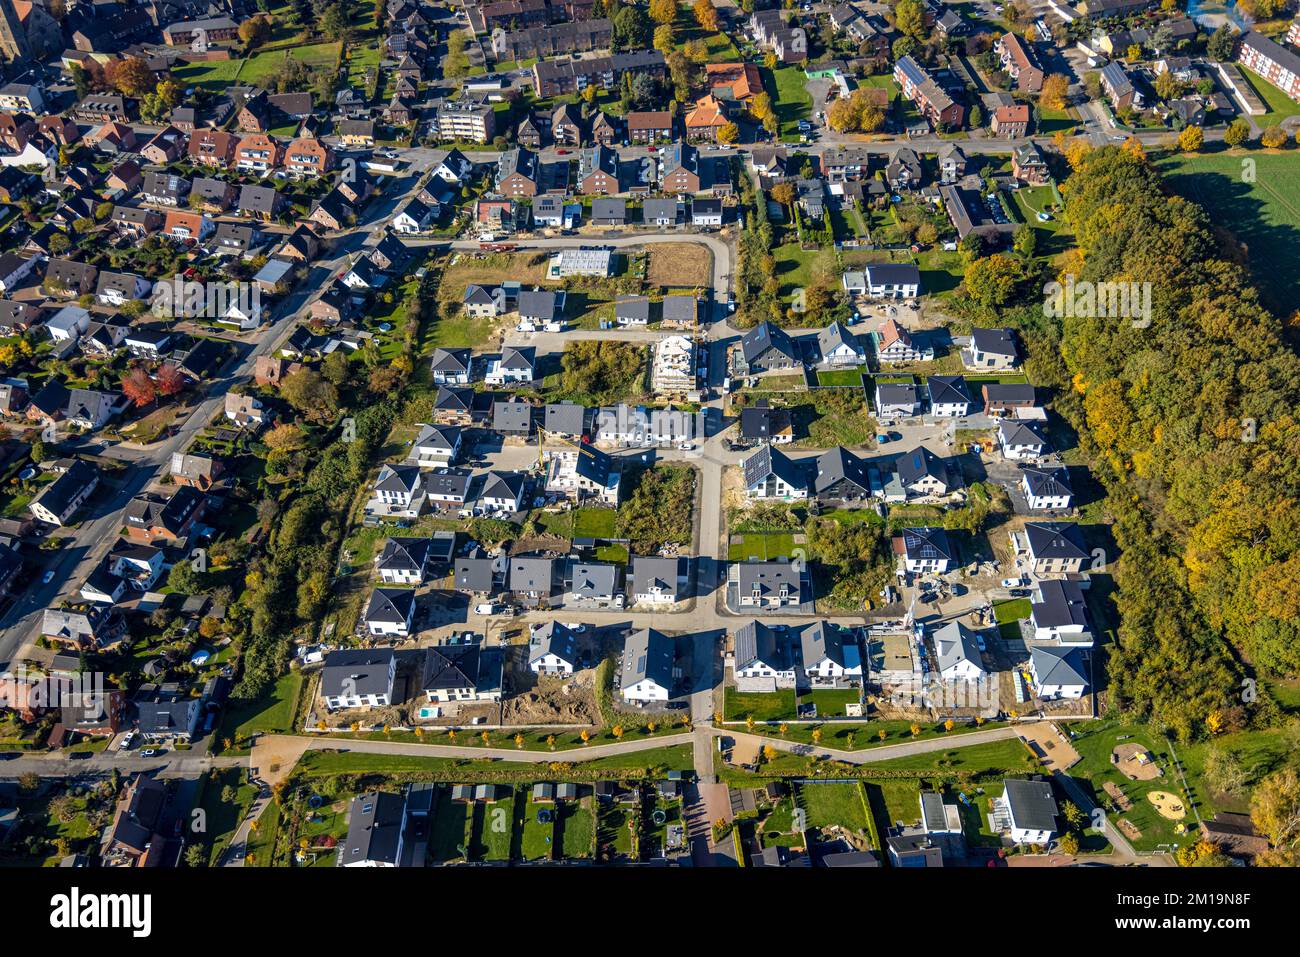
(47, 577)
(1013, 582)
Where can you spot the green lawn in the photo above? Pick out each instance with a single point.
(538, 838)
(833, 804)
(314, 763)
(761, 546)
(576, 824)
(447, 836)
(1280, 106)
(1264, 215)
(761, 706)
(790, 99)
(493, 829)
(793, 267)
(841, 377)
(271, 714)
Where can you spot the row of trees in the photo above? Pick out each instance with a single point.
(1189, 414)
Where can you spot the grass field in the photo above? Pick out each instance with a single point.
(1280, 106)
(1264, 214)
(833, 804)
(219, 74)
(790, 99)
(761, 546)
(270, 714)
(759, 705)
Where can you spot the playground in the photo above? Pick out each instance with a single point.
(1169, 806)
(1135, 762)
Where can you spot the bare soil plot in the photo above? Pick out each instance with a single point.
(679, 265)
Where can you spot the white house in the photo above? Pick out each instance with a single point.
(892, 280)
(831, 655)
(1046, 489)
(1059, 613)
(436, 446)
(895, 344)
(646, 674)
(769, 474)
(924, 550)
(553, 649)
(502, 492)
(957, 653)
(398, 492)
(763, 658)
(839, 347)
(358, 678)
(1058, 672)
(69, 324)
(390, 612)
(1029, 809)
(991, 349)
(1021, 440)
(949, 397)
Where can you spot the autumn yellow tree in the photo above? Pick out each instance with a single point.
(617, 732)
(706, 15)
(1191, 139)
(663, 11)
(1055, 88)
(915, 729)
(585, 736)
(519, 740)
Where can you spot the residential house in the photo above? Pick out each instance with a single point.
(646, 672)
(390, 612)
(924, 550)
(358, 678)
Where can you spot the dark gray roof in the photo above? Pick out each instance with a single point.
(756, 642)
(503, 485)
(1031, 804)
(405, 554)
(765, 336)
(531, 574)
(58, 494)
(536, 303)
(391, 605)
(918, 463)
(948, 389)
(442, 437)
(632, 308)
(453, 360)
(649, 571)
(359, 671)
(520, 357)
(926, 542)
(996, 341)
(769, 577)
(1015, 393)
(398, 478)
(1047, 482)
(822, 639)
(1058, 666)
(768, 460)
(1059, 603)
(834, 336)
(374, 828)
(1055, 540)
(474, 574)
(680, 309)
(447, 483)
(554, 638)
(594, 580)
(514, 417)
(838, 465)
(898, 393)
(606, 207)
(1017, 432)
(954, 643)
(647, 655)
(567, 418)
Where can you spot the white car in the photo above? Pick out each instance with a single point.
(686, 447)
(1012, 582)
(486, 608)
